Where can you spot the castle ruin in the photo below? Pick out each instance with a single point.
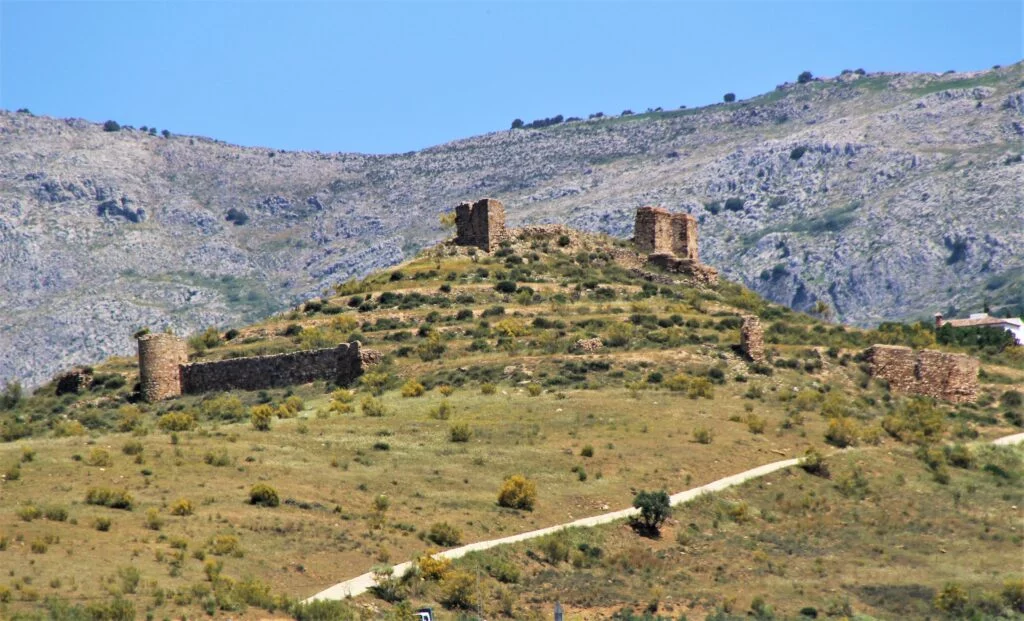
(950, 377)
(164, 371)
(670, 241)
(752, 339)
(480, 224)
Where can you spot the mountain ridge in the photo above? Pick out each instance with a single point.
(882, 196)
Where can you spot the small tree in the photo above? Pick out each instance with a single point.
(655, 508)
(729, 97)
(263, 495)
(804, 77)
(517, 124)
(111, 126)
(166, 133)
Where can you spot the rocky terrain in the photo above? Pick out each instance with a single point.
(882, 196)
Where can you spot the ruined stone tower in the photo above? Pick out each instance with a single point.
(160, 360)
(656, 231)
(480, 224)
(752, 339)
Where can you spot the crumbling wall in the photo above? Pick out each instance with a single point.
(694, 271)
(950, 377)
(652, 231)
(160, 356)
(480, 224)
(74, 381)
(341, 364)
(684, 236)
(752, 339)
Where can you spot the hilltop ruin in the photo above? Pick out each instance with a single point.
(670, 242)
(480, 224)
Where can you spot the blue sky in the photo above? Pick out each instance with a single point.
(387, 77)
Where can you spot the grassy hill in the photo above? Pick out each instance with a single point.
(111, 506)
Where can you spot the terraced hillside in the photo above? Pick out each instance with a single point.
(882, 196)
(238, 504)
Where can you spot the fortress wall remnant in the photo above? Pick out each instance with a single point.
(652, 231)
(341, 364)
(950, 377)
(480, 224)
(160, 358)
(684, 236)
(752, 339)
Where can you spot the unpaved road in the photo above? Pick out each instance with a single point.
(361, 584)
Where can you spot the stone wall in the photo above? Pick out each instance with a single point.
(652, 231)
(694, 271)
(950, 377)
(341, 364)
(480, 224)
(684, 236)
(160, 356)
(752, 339)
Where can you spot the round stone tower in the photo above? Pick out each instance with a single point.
(160, 356)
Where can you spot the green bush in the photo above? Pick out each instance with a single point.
(261, 416)
(444, 534)
(111, 126)
(729, 97)
(655, 508)
(372, 407)
(105, 497)
(263, 495)
(176, 421)
(460, 432)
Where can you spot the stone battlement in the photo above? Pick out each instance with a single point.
(164, 371)
(950, 377)
(480, 224)
(752, 339)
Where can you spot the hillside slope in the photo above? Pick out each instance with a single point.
(886, 196)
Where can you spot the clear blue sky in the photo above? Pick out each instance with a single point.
(388, 77)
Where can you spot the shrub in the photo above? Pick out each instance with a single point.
(372, 407)
(734, 204)
(755, 424)
(176, 421)
(56, 514)
(1012, 399)
(488, 388)
(729, 97)
(29, 512)
(518, 492)
(105, 497)
(435, 569)
(952, 599)
(102, 524)
(183, 507)
(444, 534)
(263, 495)
(99, 457)
(813, 462)
(132, 447)
(505, 286)
(797, 153)
(153, 520)
(412, 388)
(700, 387)
(563, 241)
(655, 508)
(804, 77)
(442, 411)
(703, 435)
(459, 590)
(223, 545)
(842, 432)
(460, 432)
(587, 451)
(261, 416)
(534, 389)
(111, 126)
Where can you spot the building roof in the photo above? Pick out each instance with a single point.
(976, 320)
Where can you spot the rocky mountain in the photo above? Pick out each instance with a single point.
(885, 196)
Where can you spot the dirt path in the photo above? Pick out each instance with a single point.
(361, 584)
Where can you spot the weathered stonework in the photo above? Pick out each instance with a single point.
(950, 377)
(752, 339)
(697, 272)
(370, 357)
(588, 346)
(164, 372)
(480, 224)
(670, 241)
(160, 358)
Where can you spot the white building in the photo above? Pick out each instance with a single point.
(1012, 325)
